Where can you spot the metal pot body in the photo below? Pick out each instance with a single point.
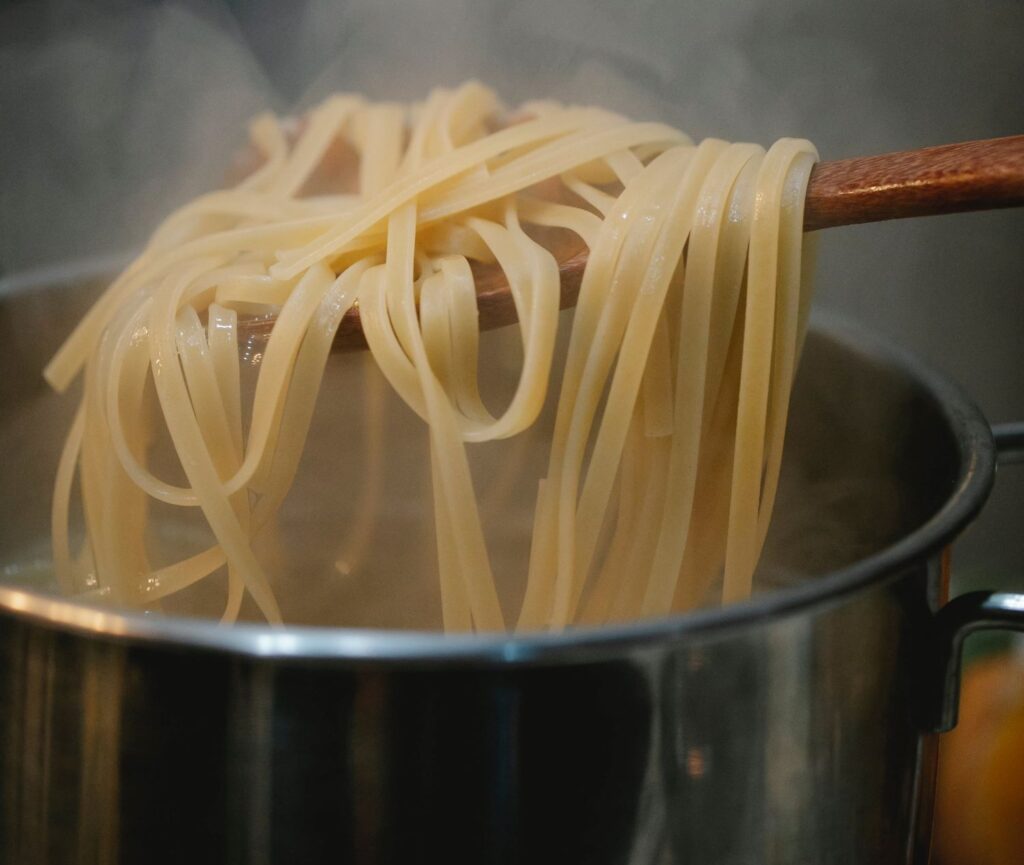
(795, 728)
(793, 738)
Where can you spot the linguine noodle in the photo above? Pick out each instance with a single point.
(671, 405)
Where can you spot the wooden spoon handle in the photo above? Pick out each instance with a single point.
(951, 178)
(975, 175)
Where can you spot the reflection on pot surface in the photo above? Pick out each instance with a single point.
(789, 729)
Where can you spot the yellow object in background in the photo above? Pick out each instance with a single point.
(979, 817)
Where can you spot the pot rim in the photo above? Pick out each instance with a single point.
(422, 648)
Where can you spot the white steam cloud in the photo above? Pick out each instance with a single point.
(112, 112)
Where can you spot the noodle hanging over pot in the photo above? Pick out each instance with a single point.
(672, 406)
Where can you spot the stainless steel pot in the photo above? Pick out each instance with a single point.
(796, 728)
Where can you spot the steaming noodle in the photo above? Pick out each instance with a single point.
(667, 444)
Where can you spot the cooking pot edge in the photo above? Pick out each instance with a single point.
(977, 468)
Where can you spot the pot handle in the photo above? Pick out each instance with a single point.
(976, 611)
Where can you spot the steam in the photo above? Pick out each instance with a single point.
(113, 112)
(126, 111)
(111, 116)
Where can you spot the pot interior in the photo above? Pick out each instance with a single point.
(870, 455)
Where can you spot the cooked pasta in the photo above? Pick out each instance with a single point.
(671, 405)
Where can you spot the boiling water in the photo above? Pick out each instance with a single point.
(355, 541)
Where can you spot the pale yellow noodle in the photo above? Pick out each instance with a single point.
(671, 408)
(691, 378)
(633, 356)
(744, 538)
(61, 506)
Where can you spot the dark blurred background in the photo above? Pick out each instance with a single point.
(112, 112)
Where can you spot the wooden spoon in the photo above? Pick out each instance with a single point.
(951, 178)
